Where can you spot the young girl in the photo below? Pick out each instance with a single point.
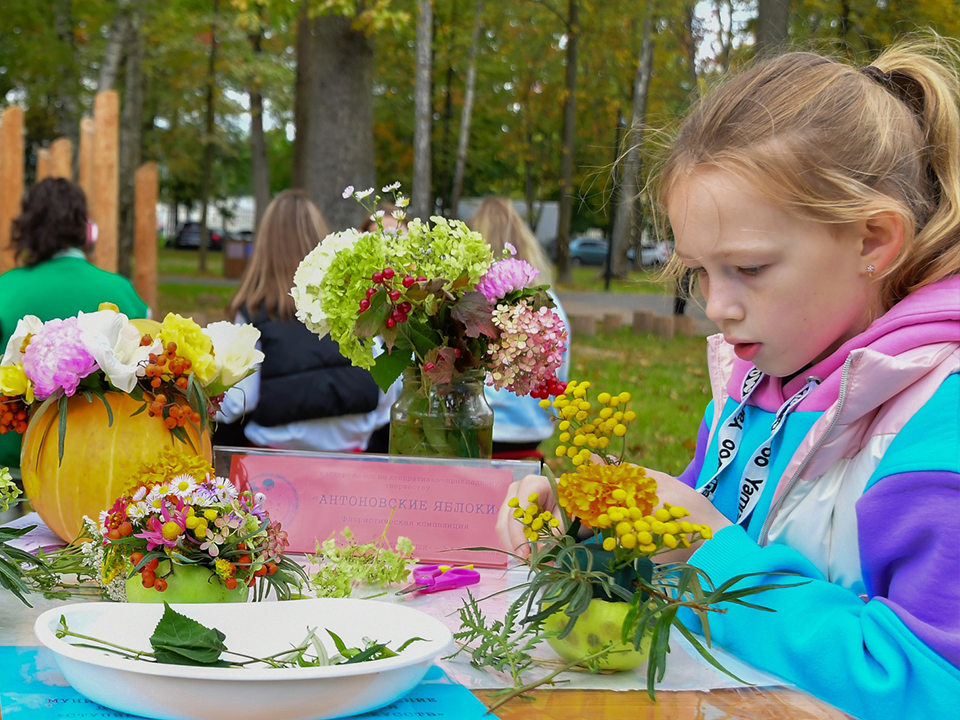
(306, 395)
(519, 423)
(819, 206)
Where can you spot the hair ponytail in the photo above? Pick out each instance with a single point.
(933, 68)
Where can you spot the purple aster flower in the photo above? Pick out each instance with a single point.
(56, 359)
(505, 276)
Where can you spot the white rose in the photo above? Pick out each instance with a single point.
(28, 325)
(235, 353)
(115, 345)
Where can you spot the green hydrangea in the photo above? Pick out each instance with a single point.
(447, 250)
(342, 289)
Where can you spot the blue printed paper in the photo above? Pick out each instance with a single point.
(32, 688)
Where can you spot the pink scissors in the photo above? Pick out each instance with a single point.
(434, 578)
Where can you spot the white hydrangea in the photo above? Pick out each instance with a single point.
(309, 276)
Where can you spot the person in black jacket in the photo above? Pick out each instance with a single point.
(306, 395)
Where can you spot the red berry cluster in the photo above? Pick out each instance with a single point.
(148, 573)
(13, 415)
(385, 278)
(551, 386)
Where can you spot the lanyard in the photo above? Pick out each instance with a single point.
(729, 437)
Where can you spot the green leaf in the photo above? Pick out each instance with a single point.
(389, 366)
(103, 398)
(179, 640)
(62, 430)
(371, 321)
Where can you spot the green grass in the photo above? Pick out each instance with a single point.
(668, 383)
(204, 303)
(590, 279)
(171, 261)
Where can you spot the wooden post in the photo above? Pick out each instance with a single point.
(43, 165)
(663, 326)
(61, 158)
(85, 162)
(146, 187)
(684, 325)
(106, 153)
(583, 325)
(11, 179)
(612, 322)
(642, 322)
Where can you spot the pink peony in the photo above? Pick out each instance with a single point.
(505, 276)
(56, 359)
(529, 350)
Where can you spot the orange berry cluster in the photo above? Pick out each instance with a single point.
(13, 415)
(166, 367)
(173, 415)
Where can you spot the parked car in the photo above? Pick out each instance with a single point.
(188, 236)
(654, 254)
(592, 251)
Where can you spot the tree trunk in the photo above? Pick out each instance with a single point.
(258, 144)
(301, 100)
(773, 17)
(467, 112)
(625, 228)
(337, 119)
(567, 146)
(111, 58)
(68, 120)
(131, 128)
(421, 197)
(207, 169)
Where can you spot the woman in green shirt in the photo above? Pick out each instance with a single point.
(54, 279)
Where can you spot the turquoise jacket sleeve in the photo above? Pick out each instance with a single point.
(856, 655)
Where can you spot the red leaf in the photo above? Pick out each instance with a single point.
(476, 314)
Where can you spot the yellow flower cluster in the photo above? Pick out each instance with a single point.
(586, 426)
(593, 490)
(200, 523)
(166, 465)
(534, 521)
(627, 528)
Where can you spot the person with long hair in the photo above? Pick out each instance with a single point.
(54, 279)
(519, 423)
(306, 394)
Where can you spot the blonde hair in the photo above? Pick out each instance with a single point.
(838, 144)
(499, 223)
(291, 227)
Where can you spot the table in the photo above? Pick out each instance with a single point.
(16, 628)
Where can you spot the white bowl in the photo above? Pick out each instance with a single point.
(176, 692)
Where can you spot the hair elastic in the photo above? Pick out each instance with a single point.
(904, 87)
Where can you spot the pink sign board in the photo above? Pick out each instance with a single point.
(441, 508)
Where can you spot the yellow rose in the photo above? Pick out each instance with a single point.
(192, 344)
(14, 382)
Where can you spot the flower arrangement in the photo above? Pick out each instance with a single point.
(176, 368)
(591, 563)
(176, 515)
(437, 298)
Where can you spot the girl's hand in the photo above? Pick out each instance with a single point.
(509, 530)
(702, 511)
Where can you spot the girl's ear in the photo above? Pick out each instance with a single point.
(881, 237)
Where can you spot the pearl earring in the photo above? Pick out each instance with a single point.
(870, 269)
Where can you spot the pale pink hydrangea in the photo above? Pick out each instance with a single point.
(505, 276)
(56, 359)
(529, 350)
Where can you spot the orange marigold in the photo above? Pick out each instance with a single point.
(588, 493)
